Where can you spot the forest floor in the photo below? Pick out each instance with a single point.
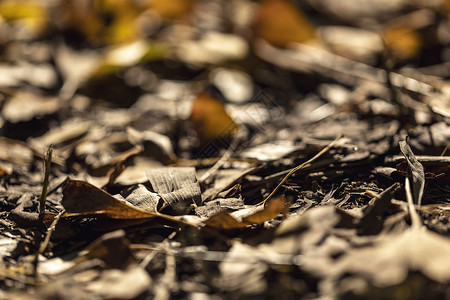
(224, 149)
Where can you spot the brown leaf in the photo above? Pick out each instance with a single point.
(210, 118)
(280, 23)
(248, 216)
(389, 261)
(82, 197)
(270, 211)
(224, 220)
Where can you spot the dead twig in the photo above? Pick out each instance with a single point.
(46, 165)
(46, 241)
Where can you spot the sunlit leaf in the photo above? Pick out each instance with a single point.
(270, 211)
(178, 187)
(248, 216)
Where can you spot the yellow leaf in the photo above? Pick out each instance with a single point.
(30, 13)
(403, 42)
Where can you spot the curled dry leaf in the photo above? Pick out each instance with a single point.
(82, 197)
(416, 170)
(249, 216)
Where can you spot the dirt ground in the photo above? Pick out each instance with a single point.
(210, 149)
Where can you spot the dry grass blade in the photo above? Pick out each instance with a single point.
(319, 154)
(415, 219)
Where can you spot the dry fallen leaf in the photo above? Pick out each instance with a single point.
(82, 197)
(178, 187)
(248, 216)
(224, 220)
(210, 118)
(389, 261)
(280, 23)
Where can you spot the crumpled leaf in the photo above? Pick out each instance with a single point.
(178, 187)
(119, 277)
(142, 198)
(269, 212)
(112, 248)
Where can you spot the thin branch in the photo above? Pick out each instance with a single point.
(46, 241)
(46, 165)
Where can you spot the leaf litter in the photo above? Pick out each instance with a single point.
(226, 150)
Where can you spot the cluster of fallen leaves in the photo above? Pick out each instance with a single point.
(224, 149)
